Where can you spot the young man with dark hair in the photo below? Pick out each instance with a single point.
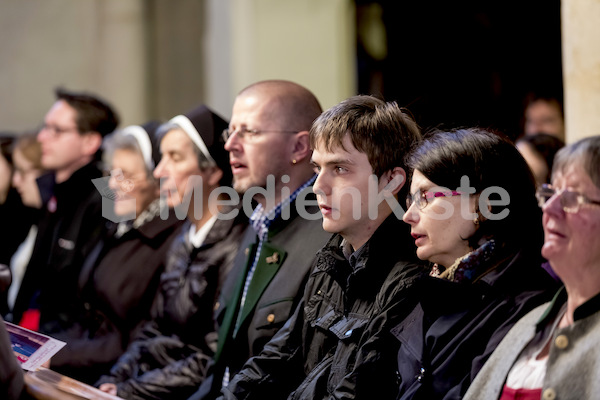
(336, 344)
(72, 221)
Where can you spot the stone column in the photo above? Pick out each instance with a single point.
(311, 42)
(581, 67)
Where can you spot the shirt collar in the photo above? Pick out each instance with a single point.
(261, 220)
(353, 255)
(198, 237)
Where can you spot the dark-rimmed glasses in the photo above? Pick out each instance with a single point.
(248, 134)
(570, 201)
(422, 197)
(55, 130)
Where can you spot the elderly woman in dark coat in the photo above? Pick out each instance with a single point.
(119, 279)
(168, 358)
(474, 216)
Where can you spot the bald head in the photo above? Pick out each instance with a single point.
(290, 104)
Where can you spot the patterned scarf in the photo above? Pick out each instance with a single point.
(468, 267)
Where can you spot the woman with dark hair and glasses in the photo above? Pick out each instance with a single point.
(554, 352)
(473, 215)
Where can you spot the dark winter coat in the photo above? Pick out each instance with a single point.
(117, 290)
(70, 227)
(168, 358)
(336, 345)
(448, 337)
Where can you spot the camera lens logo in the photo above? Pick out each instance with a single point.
(110, 197)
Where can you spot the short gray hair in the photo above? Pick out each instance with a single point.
(585, 152)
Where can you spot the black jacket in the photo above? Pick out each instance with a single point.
(70, 227)
(285, 261)
(117, 289)
(447, 338)
(336, 343)
(169, 356)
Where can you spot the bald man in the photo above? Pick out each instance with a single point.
(269, 152)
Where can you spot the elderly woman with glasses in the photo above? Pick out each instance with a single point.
(554, 352)
(474, 217)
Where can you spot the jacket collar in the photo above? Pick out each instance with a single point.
(585, 310)
(388, 245)
(79, 183)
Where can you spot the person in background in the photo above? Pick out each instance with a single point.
(539, 151)
(544, 114)
(269, 153)
(27, 155)
(168, 357)
(6, 169)
(363, 277)
(479, 225)
(119, 278)
(552, 352)
(12, 384)
(71, 222)
(6, 210)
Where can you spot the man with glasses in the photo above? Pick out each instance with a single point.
(270, 153)
(71, 137)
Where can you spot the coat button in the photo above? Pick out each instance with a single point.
(561, 342)
(216, 306)
(549, 394)
(246, 251)
(271, 318)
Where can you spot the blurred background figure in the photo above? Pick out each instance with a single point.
(170, 353)
(5, 212)
(544, 114)
(27, 156)
(119, 278)
(15, 217)
(5, 166)
(71, 222)
(12, 385)
(539, 151)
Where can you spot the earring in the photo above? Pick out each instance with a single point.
(294, 161)
(476, 221)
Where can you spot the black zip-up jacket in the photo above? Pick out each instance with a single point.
(70, 227)
(336, 343)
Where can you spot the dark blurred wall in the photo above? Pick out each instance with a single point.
(463, 63)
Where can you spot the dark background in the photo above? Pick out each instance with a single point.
(464, 63)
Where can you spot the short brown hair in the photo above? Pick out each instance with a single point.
(383, 131)
(93, 113)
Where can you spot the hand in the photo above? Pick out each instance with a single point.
(109, 388)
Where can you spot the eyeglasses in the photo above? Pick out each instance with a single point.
(570, 201)
(422, 197)
(57, 130)
(248, 134)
